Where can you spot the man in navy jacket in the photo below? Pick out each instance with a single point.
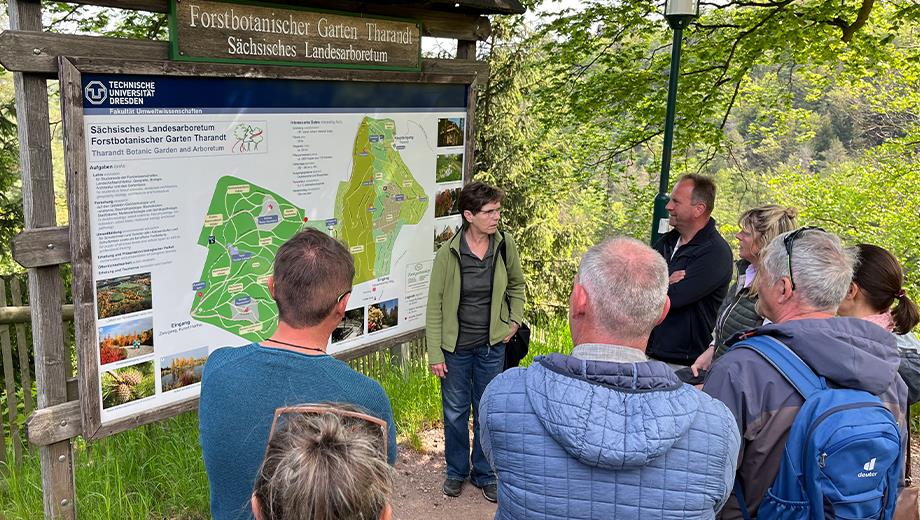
(700, 268)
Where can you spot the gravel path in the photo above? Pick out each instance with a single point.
(418, 486)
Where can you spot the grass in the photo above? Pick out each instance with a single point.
(156, 471)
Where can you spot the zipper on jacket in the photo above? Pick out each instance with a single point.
(720, 326)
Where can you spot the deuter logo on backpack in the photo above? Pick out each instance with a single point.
(844, 452)
(869, 466)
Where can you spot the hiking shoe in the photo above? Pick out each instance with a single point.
(452, 487)
(490, 491)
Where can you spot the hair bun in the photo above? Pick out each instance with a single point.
(791, 212)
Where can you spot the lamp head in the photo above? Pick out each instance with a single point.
(682, 8)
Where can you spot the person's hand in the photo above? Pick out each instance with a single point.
(677, 276)
(514, 329)
(703, 362)
(439, 369)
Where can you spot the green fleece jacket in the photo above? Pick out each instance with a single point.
(442, 324)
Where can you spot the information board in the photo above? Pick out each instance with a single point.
(193, 184)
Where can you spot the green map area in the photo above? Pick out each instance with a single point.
(246, 224)
(379, 198)
(243, 229)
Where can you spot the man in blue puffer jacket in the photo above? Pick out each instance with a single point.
(606, 432)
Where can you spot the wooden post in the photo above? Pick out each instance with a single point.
(45, 284)
(399, 355)
(466, 49)
(9, 379)
(22, 348)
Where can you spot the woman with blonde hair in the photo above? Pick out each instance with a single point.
(324, 462)
(758, 227)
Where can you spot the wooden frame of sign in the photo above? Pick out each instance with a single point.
(31, 55)
(71, 70)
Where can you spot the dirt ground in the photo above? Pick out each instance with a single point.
(420, 475)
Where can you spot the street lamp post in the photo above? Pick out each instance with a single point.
(679, 13)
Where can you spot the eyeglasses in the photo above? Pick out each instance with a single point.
(789, 239)
(491, 212)
(343, 295)
(315, 409)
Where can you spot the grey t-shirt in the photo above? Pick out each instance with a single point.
(475, 296)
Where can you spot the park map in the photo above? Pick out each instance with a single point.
(246, 224)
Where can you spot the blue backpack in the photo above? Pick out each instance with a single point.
(843, 457)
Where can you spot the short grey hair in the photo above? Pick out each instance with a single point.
(821, 267)
(627, 285)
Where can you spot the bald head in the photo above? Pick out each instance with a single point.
(627, 286)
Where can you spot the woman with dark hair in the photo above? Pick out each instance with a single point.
(878, 283)
(475, 305)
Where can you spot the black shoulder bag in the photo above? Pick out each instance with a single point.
(516, 348)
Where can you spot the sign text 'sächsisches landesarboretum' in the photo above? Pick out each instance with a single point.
(245, 33)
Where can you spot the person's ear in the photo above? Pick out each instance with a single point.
(256, 507)
(852, 292)
(343, 304)
(467, 215)
(387, 513)
(271, 286)
(664, 311)
(579, 300)
(700, 210)
(785, 289)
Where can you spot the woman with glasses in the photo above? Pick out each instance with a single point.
(877, 295)
(324, 462)
(758, 227)
(475, 305)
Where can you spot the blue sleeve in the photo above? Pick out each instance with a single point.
(383, 410)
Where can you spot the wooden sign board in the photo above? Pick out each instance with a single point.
(202, 30)
(181, 190)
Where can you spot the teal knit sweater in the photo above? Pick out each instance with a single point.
(240, 390)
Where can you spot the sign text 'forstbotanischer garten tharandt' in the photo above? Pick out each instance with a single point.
(202, 30)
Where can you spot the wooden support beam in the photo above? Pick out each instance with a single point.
(54, 424)
(42, 247)
(46, 288)
(435, 23)
(355, 353)
(466, 50)
(23, 314)
(37, 52)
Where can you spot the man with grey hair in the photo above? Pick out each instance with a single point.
(606, 432)
(804, 275)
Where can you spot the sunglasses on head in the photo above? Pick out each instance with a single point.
(789, 239)
(316, 409)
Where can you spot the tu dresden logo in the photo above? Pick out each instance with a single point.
(96, 92)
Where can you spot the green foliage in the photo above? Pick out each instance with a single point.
(10, 186)
(154, 471)
(872, 199)
(554, 209)
(808, 103)
(117, 23)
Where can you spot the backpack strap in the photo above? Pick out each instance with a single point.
(791, 366)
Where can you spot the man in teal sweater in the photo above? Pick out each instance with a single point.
(242, 387)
